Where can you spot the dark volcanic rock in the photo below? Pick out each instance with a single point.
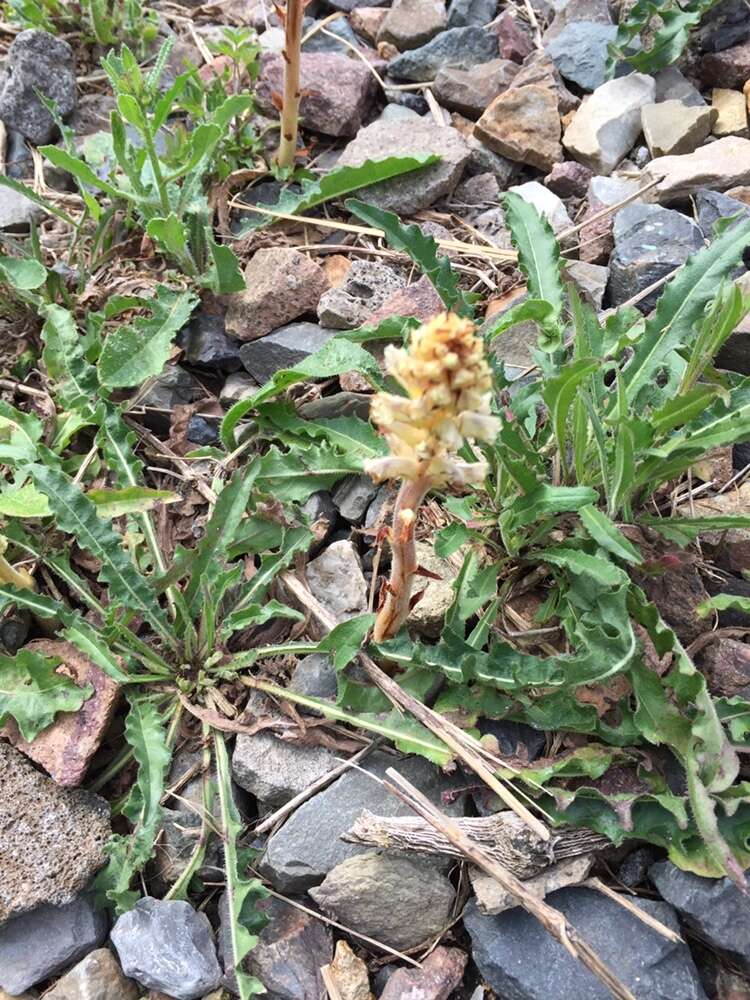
(713, 907)
(283, 348)
(650, 241)
(462, 47)
(206, 343)
(37, 61)
(521, 961)
(47, 940)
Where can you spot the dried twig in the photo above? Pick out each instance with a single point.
(646, 918)
(553, 921)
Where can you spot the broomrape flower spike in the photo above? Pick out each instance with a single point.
(448, 385)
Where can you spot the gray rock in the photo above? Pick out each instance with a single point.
(37, 61)
(53, 839)
(314, 676)
(580, 52)
(181, 829)
(606, 126)
(719, 165)
(46, 940)
(493, 899)
(19, 163)
(97, 977)
(206, 343)
(714, 908)
(590, 280)
(352, 497)
(238, 386)
(650, 965)
(545, 202)
(463, 13)
(275, 770)
(463, 47)
(336, 579)
(174, 387)
(712, 206)
(481, 189)
(365, 288)
(166, 945)
(650, 241)
(398, 113)
(672, 85)
(203, 430)
(633, 870)
(483, 160)
(17, 211)
(392, 898)
(574, 12)
(348, 5)
(320, 509)
(289, 954)
(420, 188)
(723, 26)
(283, 348)
(308, 846)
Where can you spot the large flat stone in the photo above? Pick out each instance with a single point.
(53, 838)
(418, 189)
(308, 846)
(719, 165)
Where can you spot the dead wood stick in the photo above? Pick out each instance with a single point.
(431, 720)
(627, 904)
(504, 837)
(553, 921)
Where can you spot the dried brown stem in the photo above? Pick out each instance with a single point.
(553, 921)
(295, 10)
(395, 608)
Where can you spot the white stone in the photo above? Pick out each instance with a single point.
(607, 124)
(545, 202)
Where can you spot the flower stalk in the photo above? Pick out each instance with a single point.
(448, 385)
(292, 19)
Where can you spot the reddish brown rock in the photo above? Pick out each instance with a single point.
(677, 594)
(419, 300)
(569, 179)
(65, 748)
(726, 666)
(469, 91)
(729, 68)
(538, 68)
(366, 21)
(514, 39)
(336, 91)
(524, 125)
(281, 285)
(411, 23)
(440, 975)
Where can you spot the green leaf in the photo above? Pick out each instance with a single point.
(128, 500)
(82, 172)
(25, 501)
(342, 181)
(422, 249)
(246, 921)
(558, 393)
(667, 25)
(63, 356)
(77, 516)
(537, 310)
(334, 358)
(294, 541)
(546, 500)
(345, 640)
(134, 353)
(294, 475)
(169, 233)
(128, 854)
(259, 614)
(20, 434)
(683, 530)
(679, 411)
(723, 602)
(23, 274)
(450, 539)
(220, 530)
(680, 308)
(594, 567)
(607, 535)
(32, 692)
(349, 434)
(226, 275)
(539, 259)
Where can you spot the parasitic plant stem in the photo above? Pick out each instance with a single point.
(447, 384)
(395, 609)
(295, 10)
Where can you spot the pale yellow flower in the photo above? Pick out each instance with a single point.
(448, 384)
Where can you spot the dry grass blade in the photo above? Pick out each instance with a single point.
(646, 918)
(431, 720)
(551, 919)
